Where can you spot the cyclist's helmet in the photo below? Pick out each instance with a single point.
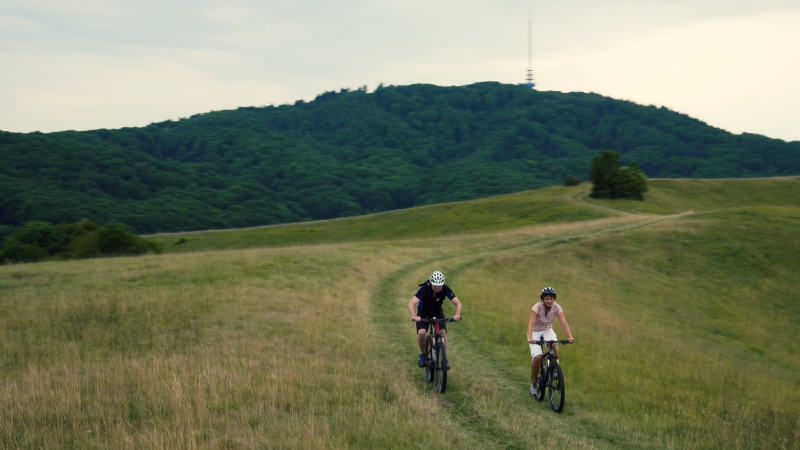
(548, 291)
(437, 279)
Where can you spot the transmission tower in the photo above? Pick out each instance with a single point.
(530, 82)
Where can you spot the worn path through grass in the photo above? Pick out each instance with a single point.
(485, 397)
(661, 341)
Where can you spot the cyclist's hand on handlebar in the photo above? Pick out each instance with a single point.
(457, 317)
(571, 340)
(416, 318)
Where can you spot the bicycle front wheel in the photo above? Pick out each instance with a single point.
(428, 360)
(556, 388)
(440, 365)
(541, 382)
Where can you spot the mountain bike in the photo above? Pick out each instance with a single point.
(435, 353)
(551, 376)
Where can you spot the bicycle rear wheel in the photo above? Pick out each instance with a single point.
(428, 360)
(440, 364)
(556, 388)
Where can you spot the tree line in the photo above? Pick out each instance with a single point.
(353, 152)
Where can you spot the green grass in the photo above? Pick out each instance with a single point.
(685, 330)
(551, 205)
(543, 206)
(675, 196)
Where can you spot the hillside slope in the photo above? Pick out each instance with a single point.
(351, 152)
(685, 330)
(524, 209)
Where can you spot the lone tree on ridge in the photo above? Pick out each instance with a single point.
(611, 181)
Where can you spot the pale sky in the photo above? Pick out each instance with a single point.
(89, 64)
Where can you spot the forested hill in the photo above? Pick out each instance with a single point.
(353, 152)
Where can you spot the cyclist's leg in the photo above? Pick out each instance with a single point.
(536, 356)
(421, 330)
(535, 368)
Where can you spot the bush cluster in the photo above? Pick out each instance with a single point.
(612, 181)
(38, 240)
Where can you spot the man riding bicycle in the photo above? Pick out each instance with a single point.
(428, 301)
(540, 326)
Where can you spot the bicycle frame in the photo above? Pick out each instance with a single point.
(434, 331)
(434, 335)
(548, 345)
(547, 372)
(435, 353)
(544, 365)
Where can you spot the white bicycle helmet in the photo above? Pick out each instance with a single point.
(437, 278)
(548, 291)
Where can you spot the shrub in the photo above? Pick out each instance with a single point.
(631, 183)
(29, 243)
(611, 181)
(40, 234)
(571, 181)
(68, 232)
(16, 251)
(115, 239)
(83, 246)
(84, 239)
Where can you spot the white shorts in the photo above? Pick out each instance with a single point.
(536, 349)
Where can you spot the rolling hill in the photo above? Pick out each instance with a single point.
(350, 153)
(684, 308)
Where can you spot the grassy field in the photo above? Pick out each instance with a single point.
(685, 327)
(552, 205)
(674, 196)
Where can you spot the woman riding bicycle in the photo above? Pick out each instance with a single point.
(540, 325)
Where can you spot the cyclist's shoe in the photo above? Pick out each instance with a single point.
(421, 361)
(533, 390)
(447, 364)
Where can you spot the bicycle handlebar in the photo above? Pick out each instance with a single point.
(564, 341)
(426, 320)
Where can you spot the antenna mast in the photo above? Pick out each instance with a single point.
(530, 82)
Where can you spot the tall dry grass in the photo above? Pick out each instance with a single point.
(248, 349)
(684, 330)
(311, 347)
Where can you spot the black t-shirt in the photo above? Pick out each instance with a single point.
(431, 302)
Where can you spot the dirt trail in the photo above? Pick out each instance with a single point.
(388, 309)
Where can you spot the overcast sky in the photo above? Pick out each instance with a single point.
(88, 64)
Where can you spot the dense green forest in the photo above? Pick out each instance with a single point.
(352, 152)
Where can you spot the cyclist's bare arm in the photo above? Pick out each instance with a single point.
(411, 306)
(531, 320)
(564, 325)
(456, 302)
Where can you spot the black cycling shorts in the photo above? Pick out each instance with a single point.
(424, 325)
